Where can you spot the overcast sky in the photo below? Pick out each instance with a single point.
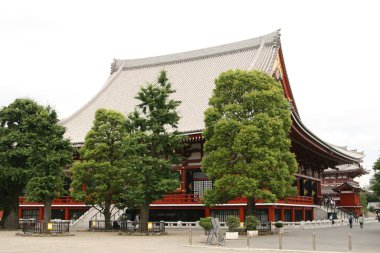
(60, 52)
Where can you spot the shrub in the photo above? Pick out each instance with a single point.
(205, 223)
(251, 222)
(233, 223)
(278, 224)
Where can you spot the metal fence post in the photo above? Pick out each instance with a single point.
(349, 242)
(313, 240)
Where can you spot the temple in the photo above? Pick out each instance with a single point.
(192, 75)
(338, 184)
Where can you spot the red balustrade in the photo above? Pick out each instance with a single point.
(195, 199)
(179, 199)
(58, 201)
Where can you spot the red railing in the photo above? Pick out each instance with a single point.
(58, 201)
(178, 199)
(195, 199)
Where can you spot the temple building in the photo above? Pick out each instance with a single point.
(192, 75)
(338, 184)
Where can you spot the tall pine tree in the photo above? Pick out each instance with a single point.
(151, 146)
(247, 145)
(99, 177)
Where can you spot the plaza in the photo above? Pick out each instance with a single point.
(333, 239)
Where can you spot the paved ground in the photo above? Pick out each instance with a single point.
(330, 240)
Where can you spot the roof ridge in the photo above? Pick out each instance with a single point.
(271, 38)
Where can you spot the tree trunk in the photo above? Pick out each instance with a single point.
(251, 206)
(47, 210)
(107, 215)
(144, 217)
(10, 216)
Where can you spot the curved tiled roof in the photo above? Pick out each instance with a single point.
(350, 156)
(347, 168)
(191, 73)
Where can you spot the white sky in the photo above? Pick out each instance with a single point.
(60, 52)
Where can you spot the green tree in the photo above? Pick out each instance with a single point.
(50, 154)
(247, 145)
(372, 197)
(376, 178)
(99, 177)
(33, 154)
(363, 202)
(151, 146)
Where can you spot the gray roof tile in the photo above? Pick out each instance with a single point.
(191, 73)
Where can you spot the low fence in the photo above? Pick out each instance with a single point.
(99, 225)
(262, 226)
(129, 226)
(319, 224)
(145, 227)
(43, 227)
(265, 226)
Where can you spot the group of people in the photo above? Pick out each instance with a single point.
(350, 220)
(329, 202)
(360, 219)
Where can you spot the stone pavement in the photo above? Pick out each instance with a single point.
(327, 240)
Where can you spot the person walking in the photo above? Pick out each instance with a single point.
(361, 220)
(332, 219)
(350, 218)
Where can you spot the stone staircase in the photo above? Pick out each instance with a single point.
(320, 213)
(94, 214)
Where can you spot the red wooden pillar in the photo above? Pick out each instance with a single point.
(303, 214)
(20, 213)
(207, 212)
(41, 214)
(67, 216)
(271, 213)
(241, 214)
(183, 179)
(293, 215)
(282, 218)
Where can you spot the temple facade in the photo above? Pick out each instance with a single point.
(192, 75)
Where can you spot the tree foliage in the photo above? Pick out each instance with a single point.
(51, 153)
(33, 154)
(99, 178)
(151, 146)
(247, 145)
(376, 178)
(363, 203)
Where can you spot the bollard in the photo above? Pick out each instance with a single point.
(313, 240)
(217, 239)
(248, 242)
(349, 242)
(280, 240)
(190, 237)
